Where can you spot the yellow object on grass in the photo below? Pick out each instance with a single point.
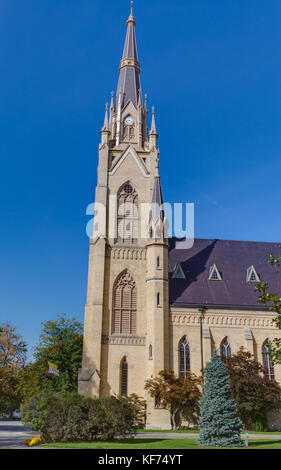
(33, 442)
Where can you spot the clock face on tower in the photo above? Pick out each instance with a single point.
(129, 120)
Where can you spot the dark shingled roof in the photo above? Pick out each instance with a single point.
(232, 259)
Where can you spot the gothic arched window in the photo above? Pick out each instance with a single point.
(125, 305)
(124, 377)
(225, 348)
(127, 215)
(184, 353)
(267, 363)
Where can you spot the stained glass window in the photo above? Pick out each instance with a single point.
(267, 363)
(225, 348)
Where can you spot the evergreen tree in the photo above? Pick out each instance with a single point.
(218, 422)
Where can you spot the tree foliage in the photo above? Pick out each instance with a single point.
(218, 422)
(253, 393)
(273, 300)
(57, 331)
(175, 393)
(13, 352)
(61, 343)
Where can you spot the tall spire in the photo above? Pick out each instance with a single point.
(129, 71)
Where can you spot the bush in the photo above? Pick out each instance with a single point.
(260, 424)
(70, 417)
(34, 411)
(139, 406)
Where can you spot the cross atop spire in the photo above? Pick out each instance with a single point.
(129, 71)
(131, 17)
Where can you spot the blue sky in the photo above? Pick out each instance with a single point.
(213, 71)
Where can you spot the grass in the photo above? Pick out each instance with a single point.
(157, 444)
(191, 431)
(196, 431)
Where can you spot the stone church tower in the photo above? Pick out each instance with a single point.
(151, 306)
(126, 316)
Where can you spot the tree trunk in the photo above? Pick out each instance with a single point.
(173, 416)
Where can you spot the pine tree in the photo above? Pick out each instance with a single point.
(218, 422)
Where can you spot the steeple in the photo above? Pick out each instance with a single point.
(157, 202)
(129, 71)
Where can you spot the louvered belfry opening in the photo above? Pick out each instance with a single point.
(127, 215)
(125, 305)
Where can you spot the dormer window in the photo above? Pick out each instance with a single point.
(252, 275)
(214, 274)
(178, 272)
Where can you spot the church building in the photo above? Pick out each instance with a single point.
(151, 306)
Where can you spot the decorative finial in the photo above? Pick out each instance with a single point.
(105, 124)
(131, 17)
(157, 166)
(153, 126)
(112, 100)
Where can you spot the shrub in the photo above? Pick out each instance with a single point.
(69, 417)
(260, 424)
(139, 405)
(34, 411)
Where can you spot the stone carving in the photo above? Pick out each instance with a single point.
(127, 253)
(126, 340)
(222, 320)
(125, 280)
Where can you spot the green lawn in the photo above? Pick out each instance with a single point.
(158, 444)
(196, 431)
(191, 431)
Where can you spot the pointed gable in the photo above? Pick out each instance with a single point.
(130, 152)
